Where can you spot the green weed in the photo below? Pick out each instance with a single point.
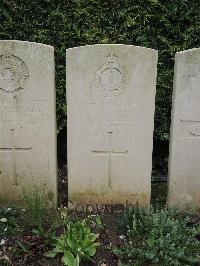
(77, 243)
(8, 224)
(158, 237)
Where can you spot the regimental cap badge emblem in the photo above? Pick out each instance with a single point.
(13, 73)
(110, 77)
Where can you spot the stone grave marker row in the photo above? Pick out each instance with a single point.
(111, 100)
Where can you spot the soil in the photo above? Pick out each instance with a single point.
(33, 256)
(34, 246)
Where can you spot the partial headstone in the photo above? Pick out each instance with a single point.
(27, 118)
(184, 159)
(110, 101)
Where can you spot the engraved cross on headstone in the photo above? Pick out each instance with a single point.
(14, 149)
(109, 152)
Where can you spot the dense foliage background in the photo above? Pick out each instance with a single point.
(168, 26)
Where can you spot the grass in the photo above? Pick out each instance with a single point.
(39, 207)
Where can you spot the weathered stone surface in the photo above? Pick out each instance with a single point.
(110, 99)
(184, 161)
(27, 118)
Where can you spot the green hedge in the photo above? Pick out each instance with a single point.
(168, 26)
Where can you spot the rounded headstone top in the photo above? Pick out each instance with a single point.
(25, 43)
(120, 45)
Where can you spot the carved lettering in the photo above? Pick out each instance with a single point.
(191, 76)
(26, 111)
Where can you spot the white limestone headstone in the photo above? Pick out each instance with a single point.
(110, 101)
(184, 159)
(27, 118)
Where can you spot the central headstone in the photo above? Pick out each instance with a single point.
(27, 119)
(110, 100)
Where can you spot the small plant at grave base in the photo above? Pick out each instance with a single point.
(98, 222)
(38, 206)
(158, 237)
(95, 222)
(7, 222)
(77, 243)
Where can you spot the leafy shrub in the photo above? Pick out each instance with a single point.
(168, 26)
(158, 237)
(76, 243)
